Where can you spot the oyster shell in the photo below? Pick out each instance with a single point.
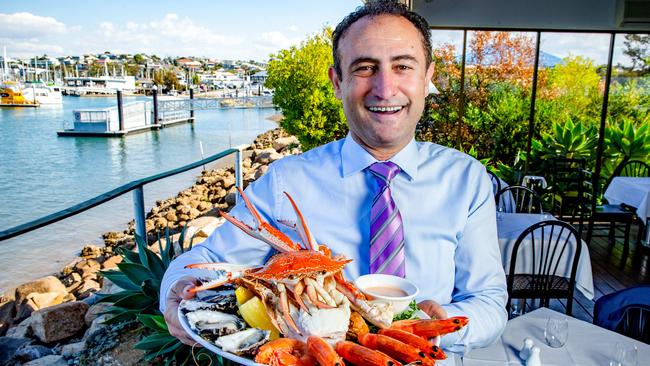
(245, 342)
(222, 301)
(212, 324)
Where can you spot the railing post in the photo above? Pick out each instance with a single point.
(191, 103)
(239, 181)
(120, 110)
(155, 105)
(138, 213)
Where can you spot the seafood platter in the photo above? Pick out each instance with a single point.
(298, 309)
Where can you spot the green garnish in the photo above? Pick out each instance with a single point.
(409, 313)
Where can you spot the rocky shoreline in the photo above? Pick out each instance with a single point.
(56, 320)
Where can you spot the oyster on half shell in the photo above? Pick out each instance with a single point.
(245, 342)
(213, 324)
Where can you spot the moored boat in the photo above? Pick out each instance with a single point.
(43, 93)
(11, 95)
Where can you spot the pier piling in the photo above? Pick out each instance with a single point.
(155, 105)
(120, 110)
(191, 104)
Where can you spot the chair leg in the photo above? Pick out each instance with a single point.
(590, 231)
(569, 305)
(626, 243)
(612, 233)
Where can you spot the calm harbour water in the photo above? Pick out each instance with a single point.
(41, 173)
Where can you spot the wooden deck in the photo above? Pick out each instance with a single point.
(611, 273)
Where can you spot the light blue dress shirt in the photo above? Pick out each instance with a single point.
(446, 202)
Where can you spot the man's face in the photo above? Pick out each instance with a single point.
(384, 82)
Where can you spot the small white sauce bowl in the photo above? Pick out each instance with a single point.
(400, 303)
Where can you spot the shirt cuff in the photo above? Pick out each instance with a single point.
(453, 342)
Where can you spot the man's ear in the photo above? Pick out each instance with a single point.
(429, 76)
(336, 83)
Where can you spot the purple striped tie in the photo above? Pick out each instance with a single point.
(386, 231)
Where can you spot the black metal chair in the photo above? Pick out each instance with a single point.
(496, 182)
(518, 199)
(626, 312)
(566, 186)
(635, 168)
(549, 242)
(608, 214)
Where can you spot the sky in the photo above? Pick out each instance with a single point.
(245, 30)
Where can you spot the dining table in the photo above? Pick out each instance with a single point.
(587, 344)
(511, 225)
(634, 192)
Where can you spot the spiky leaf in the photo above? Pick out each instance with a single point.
(121, 280)
(137, 273)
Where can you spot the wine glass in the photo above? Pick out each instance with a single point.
(500, 211)
(625, 354)
(556, 332)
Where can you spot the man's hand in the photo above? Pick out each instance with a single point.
(177, 293)
(433, 309)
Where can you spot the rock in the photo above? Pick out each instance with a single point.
(261, 171)
(46, 299)
(95, 311)
(71, 279)
(112, 262)
(25, 309)
(228, 181)
(42, 285)
(88, 267)
(29, 352)
(266, 156)
(9, 346)
(283, 142)
(51, 360)
(204, 206)
(7, 312)
(22, 330)
(96, 325)
(91, 251)
(59, 322)
(203, 227)
(231, 198)
(71, 349)
(87, 287)
(170, 216)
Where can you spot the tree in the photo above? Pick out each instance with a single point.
(167, 79)
(637, 47)
(139, 59)
(303, 91)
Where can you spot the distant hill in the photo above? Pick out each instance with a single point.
(545, 59)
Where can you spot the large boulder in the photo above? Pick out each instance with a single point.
(281, 143)
(9, 346)
(29, 352)
(7, 312)
(202, 227)
(24, 292)
(22, 330)
(59, 322)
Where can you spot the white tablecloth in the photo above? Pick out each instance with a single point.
(510, 225)
(634, 192)
(587, 344)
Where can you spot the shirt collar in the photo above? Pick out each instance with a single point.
(355, 158)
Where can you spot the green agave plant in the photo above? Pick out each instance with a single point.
(624, 141)
(140, 275)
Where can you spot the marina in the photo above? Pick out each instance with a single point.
(47, 173)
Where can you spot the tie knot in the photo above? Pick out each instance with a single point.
(386, 170)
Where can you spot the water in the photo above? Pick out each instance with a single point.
(41, 173)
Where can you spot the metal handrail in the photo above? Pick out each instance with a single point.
(138, 196)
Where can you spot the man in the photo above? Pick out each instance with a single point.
(447, 228)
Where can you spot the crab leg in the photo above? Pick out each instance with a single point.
(321, 291)
(422, 344)
(394, 348)
(298, 290)
(286, 311)
(264, 231)
(230, 272)
(429, 328)
(301, 227)
(313, 297)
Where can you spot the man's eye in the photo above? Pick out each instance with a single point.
(364, 70)
(403, 67)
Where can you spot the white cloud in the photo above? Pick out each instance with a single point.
(27, 25)
(273, 41)
(293, 28)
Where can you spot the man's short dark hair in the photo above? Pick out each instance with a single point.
(373, 8)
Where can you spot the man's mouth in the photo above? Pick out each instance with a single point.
(385, 110)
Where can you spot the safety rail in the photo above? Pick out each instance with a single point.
(138, 196)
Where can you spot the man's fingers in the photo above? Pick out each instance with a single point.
(433, 309)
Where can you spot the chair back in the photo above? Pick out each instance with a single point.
(567, 184)
(635, 168)
(544, 247)
(518, 199)
(626, 311)
(496, 182)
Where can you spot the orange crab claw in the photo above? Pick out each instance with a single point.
(323, 352)
(264, 231)
(394, 348)
(360, 355)
(430, 328)
(422, 344)
(301, 226)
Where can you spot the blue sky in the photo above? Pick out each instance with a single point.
(251, 29)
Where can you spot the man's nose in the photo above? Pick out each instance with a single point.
(384, 84)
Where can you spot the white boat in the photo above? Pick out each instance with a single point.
(43, 94)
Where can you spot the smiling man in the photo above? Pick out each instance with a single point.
(393, 205)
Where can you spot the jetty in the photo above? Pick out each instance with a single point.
(124, 119)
